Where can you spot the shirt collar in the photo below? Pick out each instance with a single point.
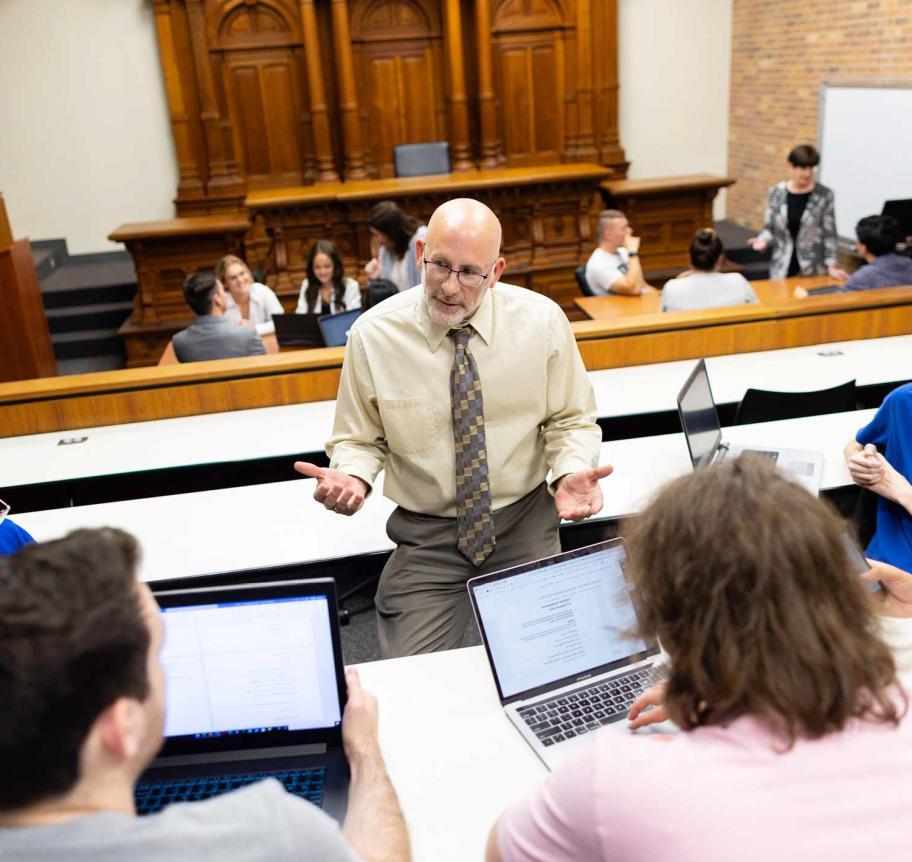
(482, 321)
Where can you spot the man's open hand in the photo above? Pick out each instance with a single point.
(336, 490)
(578, 494)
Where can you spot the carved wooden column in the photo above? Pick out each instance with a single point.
(604, 45)
(460, 151)
(355, 167)
(223, 174)
(189, 184)
(326, 169)
(585, 140)
(491, 151)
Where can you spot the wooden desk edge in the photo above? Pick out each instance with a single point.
(167, 228)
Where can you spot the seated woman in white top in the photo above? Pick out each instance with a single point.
(703, 286)
(795, 737)
(249, 302)
(326, 290)
(396, 233)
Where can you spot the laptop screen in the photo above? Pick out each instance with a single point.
(335, 327)
(559, 619)
(698, 416)
(248, 664)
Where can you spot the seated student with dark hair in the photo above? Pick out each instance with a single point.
(704, 286)
(212, 335)
(795, 742)
(82, 689)
(877, 239)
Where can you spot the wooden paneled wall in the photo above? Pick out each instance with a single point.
(275, 93)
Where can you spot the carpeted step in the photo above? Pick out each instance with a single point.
(102, 315)
(92, 342)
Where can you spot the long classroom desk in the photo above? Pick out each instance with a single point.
(203, 452)
(279, 524)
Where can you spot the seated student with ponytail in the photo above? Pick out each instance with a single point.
(703, 285)
(326, 290)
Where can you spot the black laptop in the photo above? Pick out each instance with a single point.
(298, 330)
(255, 689)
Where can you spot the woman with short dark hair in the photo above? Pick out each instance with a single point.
(704, 285)
(799, 225)
(795, 741)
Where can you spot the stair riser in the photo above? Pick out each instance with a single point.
(88, 295)
(92, 347)
(89, 320)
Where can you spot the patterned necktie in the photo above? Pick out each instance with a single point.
(474, 519)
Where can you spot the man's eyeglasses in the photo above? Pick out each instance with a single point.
(4, 510)
(466, 277)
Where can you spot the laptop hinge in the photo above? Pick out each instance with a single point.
(244, 754)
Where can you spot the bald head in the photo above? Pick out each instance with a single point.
(469, 219)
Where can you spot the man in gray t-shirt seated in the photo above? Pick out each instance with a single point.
(82, 690)
(211, 335)
(614, 266)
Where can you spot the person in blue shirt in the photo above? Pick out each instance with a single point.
(12, 536)
(888, 475)
(877, 239)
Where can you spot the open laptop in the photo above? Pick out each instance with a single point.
(335, 327)
(255, 689)
(703, 432)
(561, 637)
(298, 330)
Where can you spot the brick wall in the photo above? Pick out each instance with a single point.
(782, 52)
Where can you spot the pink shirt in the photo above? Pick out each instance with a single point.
(722, 794)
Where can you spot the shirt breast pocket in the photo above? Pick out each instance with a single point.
(411, 425)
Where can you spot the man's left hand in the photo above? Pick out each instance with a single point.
(578, 495)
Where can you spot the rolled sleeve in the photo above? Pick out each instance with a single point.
(358, 445)
(570, 434)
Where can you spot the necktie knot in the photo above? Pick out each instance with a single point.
(462, 335)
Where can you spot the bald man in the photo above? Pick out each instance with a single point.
(473, 397)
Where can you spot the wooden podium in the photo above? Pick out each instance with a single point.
(25, 342)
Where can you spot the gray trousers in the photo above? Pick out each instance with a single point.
(422, 602)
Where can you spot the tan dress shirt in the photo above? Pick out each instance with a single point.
(394, 408)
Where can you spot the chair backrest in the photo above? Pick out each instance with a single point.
(418, 160)
(379, 289)
(762, 405)
(580, 273)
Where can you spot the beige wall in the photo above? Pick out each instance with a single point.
(778, 65)
(674, 69)
(85, 142)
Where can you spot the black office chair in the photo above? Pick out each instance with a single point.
(420, 160)
(580, 273)
(379, 289)
(762, 405)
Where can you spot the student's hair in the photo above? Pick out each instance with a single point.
(199, 289)
(72, 641)
(604, 217)
(879, 233)
(804, 156)
(743, 577)
(225, 262)
(324, 246)
(705, 249)
(393, 223)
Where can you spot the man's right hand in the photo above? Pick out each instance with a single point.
(336, 490)
(757, 244)
(897, 584)
(867, 467)
(632, 243)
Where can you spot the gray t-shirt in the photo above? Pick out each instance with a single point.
(260, 822)
(604, 268)
(706, 290)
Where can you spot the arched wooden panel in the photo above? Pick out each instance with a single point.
(397, 47)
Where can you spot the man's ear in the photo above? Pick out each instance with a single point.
(419, 252)
(497, 272)
(119, 730)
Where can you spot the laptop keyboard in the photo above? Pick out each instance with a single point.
(587, 709)
(155, 795)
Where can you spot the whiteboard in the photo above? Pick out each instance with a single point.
(865, 149)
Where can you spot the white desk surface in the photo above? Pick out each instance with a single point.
(278, 523)
(293, 429)
(454, 757)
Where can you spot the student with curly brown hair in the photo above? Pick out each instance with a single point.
(795, 741)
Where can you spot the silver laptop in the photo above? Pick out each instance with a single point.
(700, 421)
(561, 637)
(255, 689)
